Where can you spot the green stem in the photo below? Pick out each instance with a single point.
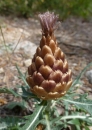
(49, 103)
(47, 115)
(47, 122)
(72, 117)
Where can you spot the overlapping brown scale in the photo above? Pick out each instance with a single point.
(30, 81)
(45, 71)
(56, 76)
(54, 95)
(31, 69)
(62, 56)
(48, 85)
(49, 59)
(37, 78)
(48, 39)
(38, 51)
(33, 60)
(52, 45)
(38, 62)
(60, 88)
(45, 95)
(43, 41)
(39, 91)
(68, 84)
(65, 77)
(46, 49)
(70, 73)
(58, 65)
(57, 53)
(65, 66)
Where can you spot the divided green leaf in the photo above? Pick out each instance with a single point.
(21, 104)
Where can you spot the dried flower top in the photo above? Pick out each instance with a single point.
(48, 21)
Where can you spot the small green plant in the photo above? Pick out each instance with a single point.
(64, 8)
(67, 8)
(17, 7)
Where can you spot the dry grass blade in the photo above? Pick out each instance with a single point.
(4, 43)
(17, 42)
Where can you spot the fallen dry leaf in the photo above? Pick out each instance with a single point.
(3, 101)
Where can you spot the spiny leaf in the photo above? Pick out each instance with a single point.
(9, 91)
(21, 104)
(74, 122)
(34, 118)
(28, 94)
(85, 118)
(22, 76)
(10, 122)
(81, 103)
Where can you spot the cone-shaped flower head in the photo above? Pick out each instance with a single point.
(49, 76)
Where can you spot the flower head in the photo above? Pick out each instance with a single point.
(49, 76)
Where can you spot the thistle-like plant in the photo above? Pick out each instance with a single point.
(49, 76)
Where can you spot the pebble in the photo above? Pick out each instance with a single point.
(1, 70)
(90, 127)
(89, 76)
(27, 62)
(79, 91)
(90, 97)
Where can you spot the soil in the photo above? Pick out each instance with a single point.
(22, 36)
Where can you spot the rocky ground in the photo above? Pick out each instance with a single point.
(22, 36)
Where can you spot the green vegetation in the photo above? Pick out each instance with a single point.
(64, 8)
(77, 109)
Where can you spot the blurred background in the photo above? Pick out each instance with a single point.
(64, 8)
